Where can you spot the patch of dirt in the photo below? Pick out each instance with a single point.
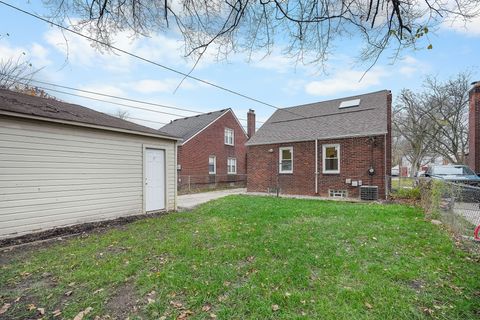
(123, 303)
(75, 230)
(79, 229)
(417, 285)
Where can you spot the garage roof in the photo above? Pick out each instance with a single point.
(24, 105)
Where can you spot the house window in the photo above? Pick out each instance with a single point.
(212, 165)
(229, 137)
(331, 158)
(286, 160)
(231, 166)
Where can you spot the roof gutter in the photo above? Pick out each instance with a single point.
(322, 138)
(88, 125)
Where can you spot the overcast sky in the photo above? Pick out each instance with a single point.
(274, 79)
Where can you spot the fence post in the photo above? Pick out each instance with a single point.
(189, 184)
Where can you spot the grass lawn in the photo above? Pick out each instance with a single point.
(403, 182)
(245, 257)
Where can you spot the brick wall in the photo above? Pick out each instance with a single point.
(474, 128)
(193, 155)
(356, 158)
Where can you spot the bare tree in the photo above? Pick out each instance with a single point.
(15, 73)
(412, 121)
(434, 120)
(306, 30)
(122, 114)
(449, 112)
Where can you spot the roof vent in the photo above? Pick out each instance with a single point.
(349, 103)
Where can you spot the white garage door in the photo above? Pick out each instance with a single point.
(154, 179)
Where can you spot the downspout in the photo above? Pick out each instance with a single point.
(385, 165)
(316, 166)
(175, 174)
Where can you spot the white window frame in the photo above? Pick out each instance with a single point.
(324, 163)
(280, 159)
(229, 133)
(228, 165)
(214, 164)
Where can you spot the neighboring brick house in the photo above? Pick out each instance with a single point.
(213, 149)
(328, 148)
(473, 159)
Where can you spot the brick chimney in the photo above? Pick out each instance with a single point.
(474, 128)
(250, 123)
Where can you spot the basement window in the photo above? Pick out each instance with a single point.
(337, 193)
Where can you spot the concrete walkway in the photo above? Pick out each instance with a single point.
(189, 201)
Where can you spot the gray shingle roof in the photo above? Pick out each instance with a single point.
(20, 103)
(188, 127)
(325, 120)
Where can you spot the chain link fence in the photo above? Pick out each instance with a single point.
(455, 205)
(200, 183)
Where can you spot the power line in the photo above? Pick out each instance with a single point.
(140, 57)
(114, 103)
(111, 96)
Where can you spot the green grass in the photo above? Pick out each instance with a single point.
(406, 193)
(238, 256)
(403, 182)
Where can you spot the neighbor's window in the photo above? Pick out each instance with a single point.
(286, 160)
(212, 165)
(229, 136)
(231, 166)
(331, 158)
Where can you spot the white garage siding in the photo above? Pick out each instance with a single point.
(54, 175)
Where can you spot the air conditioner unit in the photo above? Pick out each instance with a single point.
(369, 193)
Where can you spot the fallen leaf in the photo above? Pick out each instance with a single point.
(56, 313)
(250, 258)
(41, 310)
(68, 293)
(222, 298)
(150, 300)
(176, 304)
(18, 299)
(428, 311)
(287, 294)
(368, 305)
(83, 313)
(206, 307)
(213, 316)
(184, 315)
(71, 284)
(374, 238)
(97, 291)
(5, 308)
(275, 307)
(31, 307)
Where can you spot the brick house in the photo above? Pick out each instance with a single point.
(473, 159)
(213, 149)
(332, 148)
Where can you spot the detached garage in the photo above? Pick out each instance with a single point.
(63, 164)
